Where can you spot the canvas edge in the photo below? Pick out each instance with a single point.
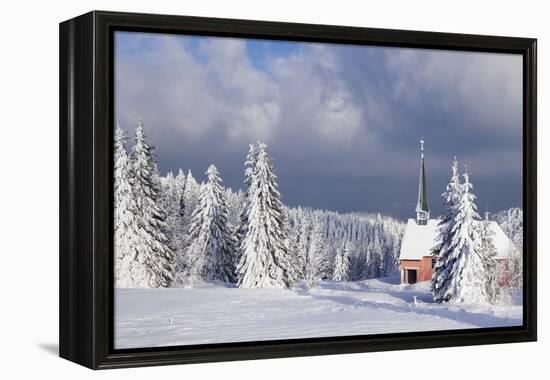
(76, 254)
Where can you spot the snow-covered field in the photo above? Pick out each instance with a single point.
(212, 313)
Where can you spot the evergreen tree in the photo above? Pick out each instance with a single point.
(488, 253)
(189, 200)
(374, 262)
(295, 263)
(154, 252)
(465, 276)
(444, 244)
(191, 196)
(249, 167)
(235, 202)
(176, 211)
(170, 204)
(180, 182)
(357, 258)
(300, 235)
(511, 222)
(342, 265)
(211, 234)
(173, 203)
(317, 264)
(127, 272)
(264, 259)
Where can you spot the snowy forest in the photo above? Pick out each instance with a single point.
(173, 231)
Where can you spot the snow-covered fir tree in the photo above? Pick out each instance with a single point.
(358, 257)
(295, 263)
(488, 253)
(444, 250)
(191, 196)
(318, 261)
(242, 227)
(188, 203)
(302, 235)
(373, 262)
(127, 273)
(173, 203)
(341, 265)
(235, 200)
(511, 222)
(180, 184)
(153, 251)
(170, 200)
(469, 266)
(212, 236)
(465, 277)
(264, 259)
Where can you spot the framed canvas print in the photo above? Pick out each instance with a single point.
(238, 189)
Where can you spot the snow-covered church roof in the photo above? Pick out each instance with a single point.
(420, 239)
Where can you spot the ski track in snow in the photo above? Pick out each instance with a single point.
(213, 313)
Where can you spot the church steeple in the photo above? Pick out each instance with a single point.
(422, 207)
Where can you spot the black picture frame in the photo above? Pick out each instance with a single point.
(86, 188)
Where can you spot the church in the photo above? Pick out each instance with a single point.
(416, 262)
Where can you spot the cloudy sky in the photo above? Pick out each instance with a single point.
(342, 122)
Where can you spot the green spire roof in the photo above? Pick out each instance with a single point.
(422, 204)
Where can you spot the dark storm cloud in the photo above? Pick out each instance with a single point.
(342, 122)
